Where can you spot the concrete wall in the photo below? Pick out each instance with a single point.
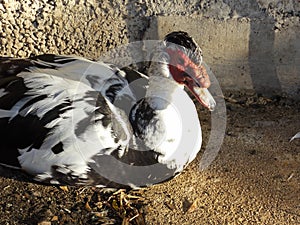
(244, 53)
(250, 44)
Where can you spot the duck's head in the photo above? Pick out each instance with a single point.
(185, 59)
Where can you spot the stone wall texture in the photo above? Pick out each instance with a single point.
(250, 45)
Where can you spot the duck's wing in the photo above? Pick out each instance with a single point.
(105, 78)
(49, 74)
(138, 81)
(52, 127)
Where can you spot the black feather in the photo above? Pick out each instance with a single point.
(183, 39)
(58, 148)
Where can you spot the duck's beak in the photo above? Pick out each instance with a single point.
(203, 96)
(197, 83)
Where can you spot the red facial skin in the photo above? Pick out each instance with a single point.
(186, 72)
(181, 64)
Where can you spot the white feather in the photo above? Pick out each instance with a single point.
(93, 74)
(6, 113)
(77, 150)
(178, 141)
(2, 92)
(296, 136)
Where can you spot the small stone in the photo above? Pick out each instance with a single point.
(21, 53)
(20, 37)
(19, 22)
(27, 24)
(44, 223)
(37, 194)
(54, 218)
(8, 31)
(3, 41)
(240, 220)
(39, 35)
(43, 49)
(18, 45)
(29, 40)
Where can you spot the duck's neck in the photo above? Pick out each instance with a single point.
(157, 120)
(161, 84)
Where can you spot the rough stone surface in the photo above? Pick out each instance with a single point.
(244, 53)
(90, 28)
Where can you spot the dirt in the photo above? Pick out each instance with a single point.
(255, 179)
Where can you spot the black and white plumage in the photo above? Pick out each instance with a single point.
(68, 120)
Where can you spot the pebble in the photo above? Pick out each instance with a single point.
(29, 40)
(21, 53)
(44, 223)
(3, 41)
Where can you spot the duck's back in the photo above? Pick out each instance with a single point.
(53, 124)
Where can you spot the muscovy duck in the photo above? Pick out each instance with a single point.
(60, 121)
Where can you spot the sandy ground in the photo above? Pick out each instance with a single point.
(254, 180)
